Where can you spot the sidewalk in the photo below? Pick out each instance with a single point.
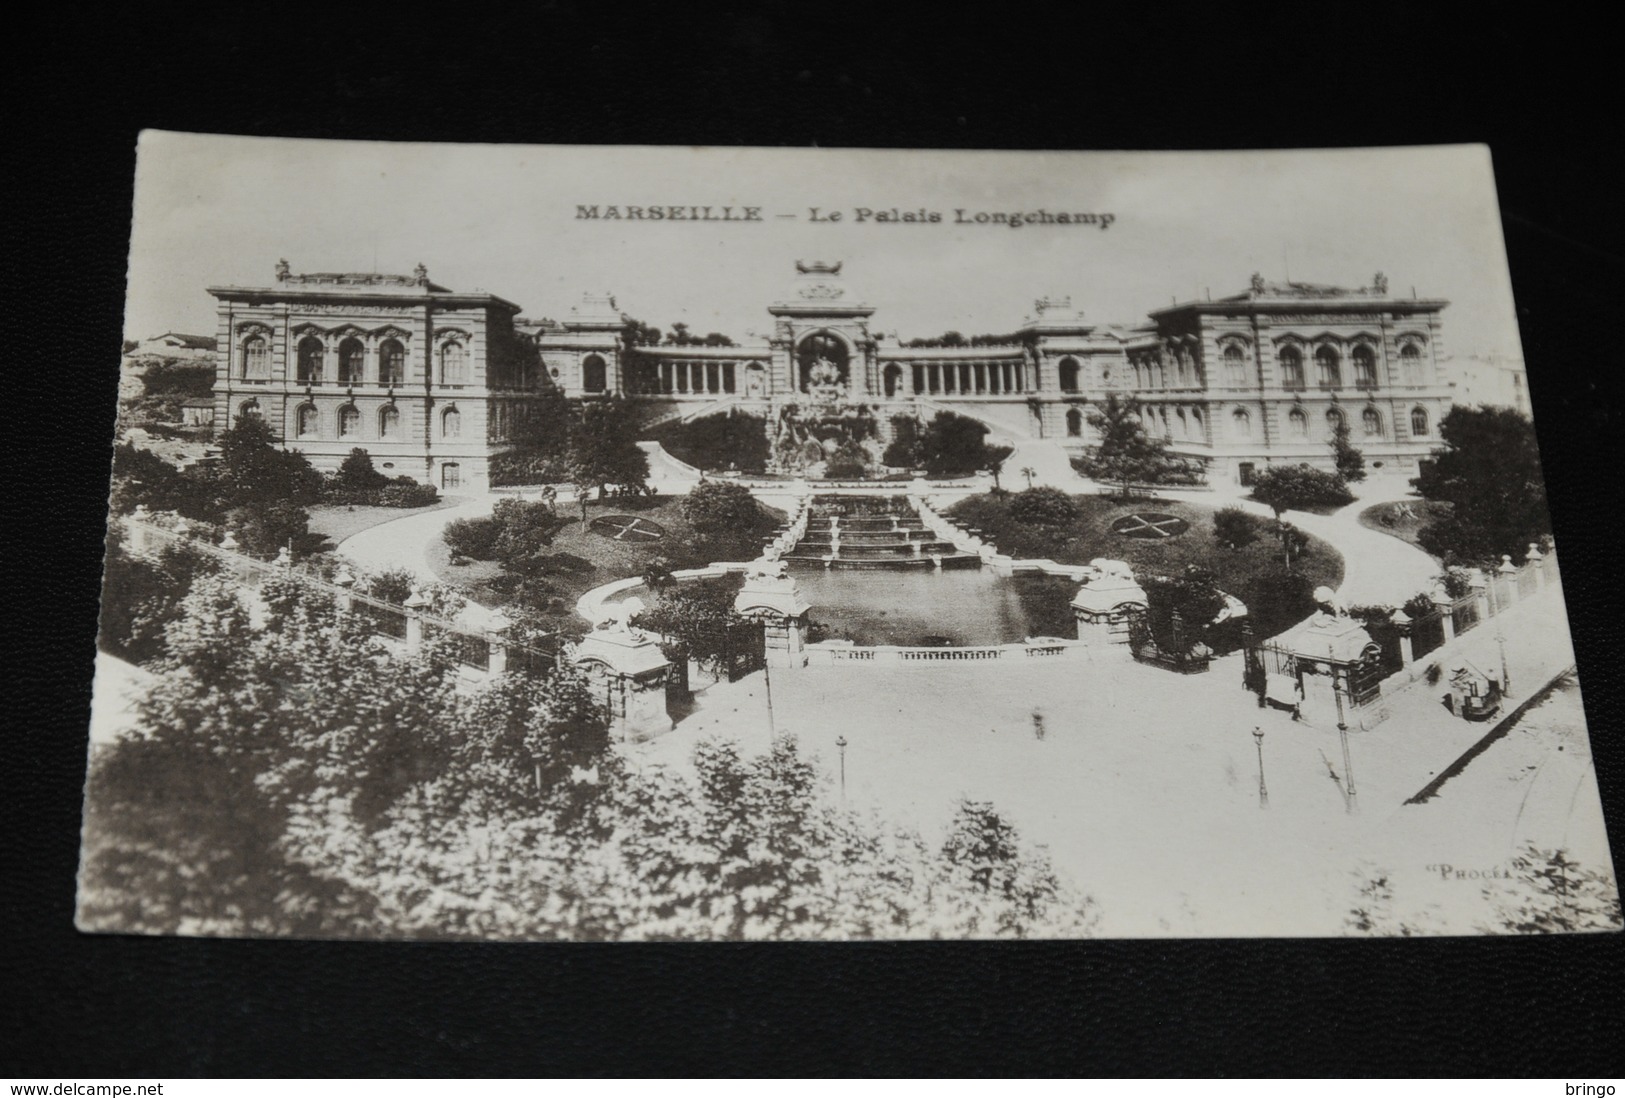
(1420, 738)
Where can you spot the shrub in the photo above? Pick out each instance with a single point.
(406, 492)
(1285, 488)
(1049, 507)
(721, 441)
(1235, 528)
(356, 471)
(726, 520)
(850, 460)
(264, 531)
(475, 538)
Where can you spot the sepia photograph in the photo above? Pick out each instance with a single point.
(564, 543)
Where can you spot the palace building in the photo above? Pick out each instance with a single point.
(433, 383)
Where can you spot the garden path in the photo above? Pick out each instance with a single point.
(1378, 569)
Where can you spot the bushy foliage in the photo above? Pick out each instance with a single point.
(953, 445)
(515, 534)
(699, 622)
(297, 780)
(1284, 488)
(1235, 528)
(727, 522)
(1127, 453)
(1490, 471)
(266, 530)
(604, 448)
(721, 442)
(850, 461)
(255, 471)
(356, 471)
(1049, 507)
(1180, 608)
(903, 451)
(141, 595)
(1348, 458)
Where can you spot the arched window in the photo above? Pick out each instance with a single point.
(349, 421)
(1069, 375)
(391, 362)
(1196, 425)
(305, 421)
(1410, 364)
(453, 367)
(1074, 423)
(594, 375)
(310, 360)
(1235, 366)
(1291, 368)
(352, 362)
(1328, 367)
(1419, 421)
(1298, 423)
(389, 422)
(893, 379)
(1334, 420)
(1365, 367)
(1184, 424)
(451, 475)
(256, 359)
(451, 423)
(248, 408)
(1371, 419)
(1241, 424)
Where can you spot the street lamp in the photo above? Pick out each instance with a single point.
(840, 745)
(1263, 793)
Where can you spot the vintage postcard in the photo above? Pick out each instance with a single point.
(566, 543)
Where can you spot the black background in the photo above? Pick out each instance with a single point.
(80, 87)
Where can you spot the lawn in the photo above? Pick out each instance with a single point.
(1254, 574)
(1404, 519)
(587, 557)
(336, 522)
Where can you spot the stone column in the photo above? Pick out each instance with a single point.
(496, 639)
(1537, 561)
(345, 582)
(629, 672)
(414, 605)
(770, 596)
(1103, 608)
(1402, 622)
(1442, 605)
(1510, 572)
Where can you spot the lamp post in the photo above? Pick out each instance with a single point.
(840, 745)
(1263, 792)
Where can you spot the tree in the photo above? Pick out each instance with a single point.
(604, 448)
(722, 441)
(903, 451)
(255, 471)
(1551, 893)
(995, 457)
(953, 445)
(700, 623)
(356, 471)
(1127, 454)
(1489, 471)
(1284, 488)
(1348, 458)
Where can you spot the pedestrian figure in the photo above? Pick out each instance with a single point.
(1038, 723)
